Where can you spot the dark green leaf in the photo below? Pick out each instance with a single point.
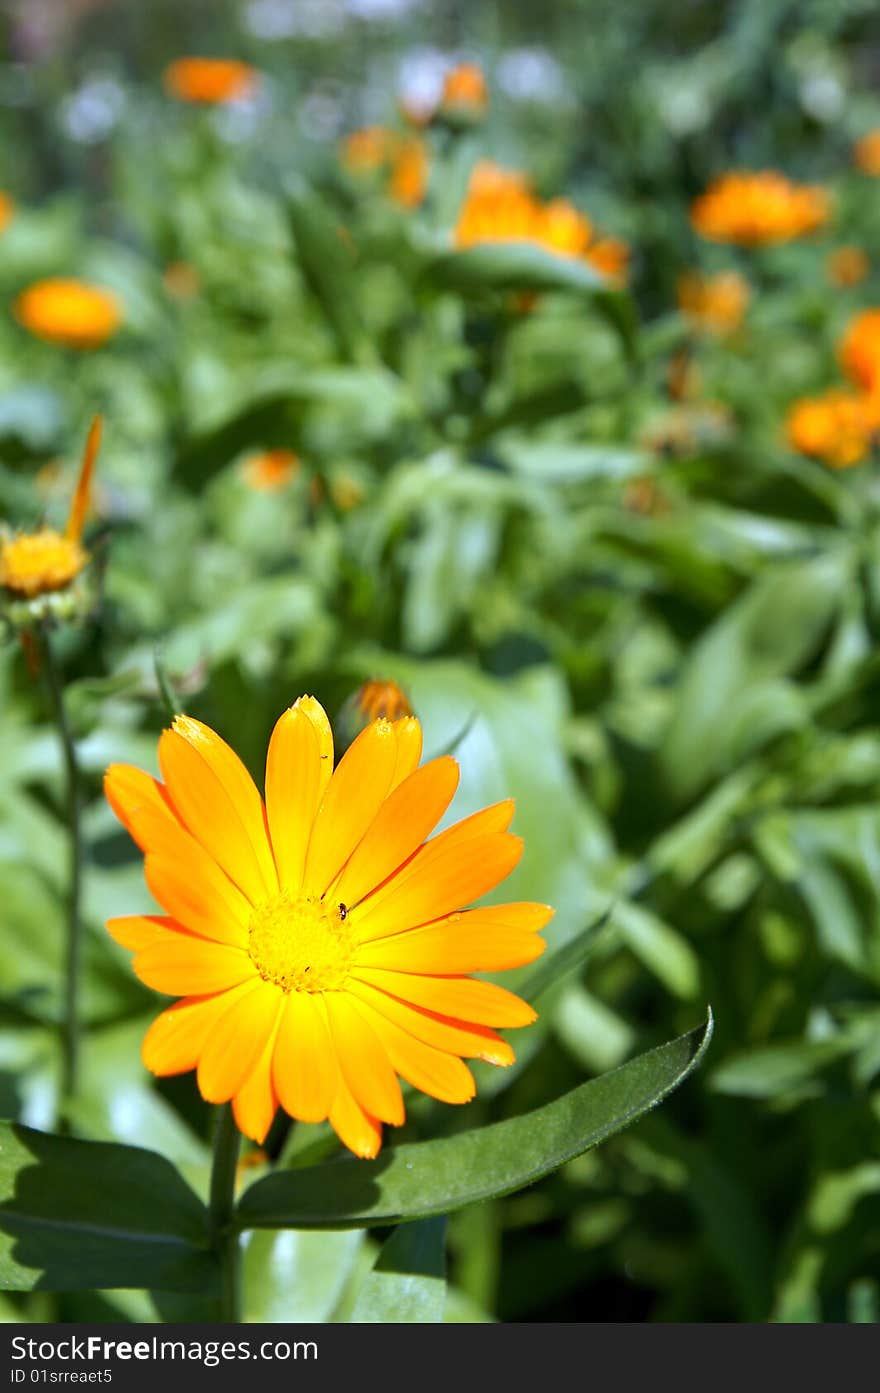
(408, 1282)
(513, 266)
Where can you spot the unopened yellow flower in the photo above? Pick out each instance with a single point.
(465, 91)
(408, 183)
(319, 942)
(847, 266)
(715, 303)
(837, 427)
(860, 350)
(500, 206)
(39, 563)
(866, 153)
(270, 471)
(382, 698)
(69, 312)
(759, 209)
(210, 81)
(7, 210)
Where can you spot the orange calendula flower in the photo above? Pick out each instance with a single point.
(403, 159)
(408, 182)
(270, 471)
(382, 697)
(847, 266)
(866, 153)
(860, 350)
(464, 91)
(501, 207)
(69, 312)
(715, 303)
(39, 563)
(759, 209)
(210, 81)
(318, 941)
(837, 427)
(7, 210)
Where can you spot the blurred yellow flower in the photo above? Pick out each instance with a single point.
(210, 81)
(715, 303)
(847, 266)
(369, 148)
(409, 172)
(38, 563)
(465, 91)
(403, 159)
(759, 209)
(7, 210)
(500, 206)
(270, 470)
(860, 350)
(319, 942)
(866, 153)
(69, 312)
(837, 427)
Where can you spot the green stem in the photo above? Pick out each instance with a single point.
(166, 691)
(70, 1023)
(221, 1209)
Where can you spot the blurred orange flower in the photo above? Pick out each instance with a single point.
(465, 91)
(70, 312)
(866, 153)
(7, 210)
(402, 158)
(847, 266)
(382, 697)
(759, 209)
(500, 207)
(368, 149)
(860, 350)
(837, 427)
(715, 303)
(210, 81)
(409, 172)
(270, 471)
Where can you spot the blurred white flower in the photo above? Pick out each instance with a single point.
(287, 19)
(530, 75)
(823, 96)
(420, 77)
(89, 114)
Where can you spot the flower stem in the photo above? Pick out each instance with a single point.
(70, 1022)
(221, 1207)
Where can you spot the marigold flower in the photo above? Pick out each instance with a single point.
(270, 471)
(33, 564)
(402, 158)
(714, 303)
(7, 210)
(860, 350)
(500, 207)
(318, 941)
(759, 209)
(866, 153)
(464, 91)
(408, 182)
(382, 697)
(837, 427)
(69, 312)
(847, 266)
(210, 81)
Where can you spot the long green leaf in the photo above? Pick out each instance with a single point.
(76, 1215)
(415, 1181)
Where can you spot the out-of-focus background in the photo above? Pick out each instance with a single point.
(573, 521)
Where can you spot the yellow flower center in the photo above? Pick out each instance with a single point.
(35, 562)
(300, 943)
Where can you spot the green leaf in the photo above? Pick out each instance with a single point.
(76, 1215)
(564, 462)
(328, 266)
(294, 1276)
(408, 1282)
(416, 1181)
(513, 266)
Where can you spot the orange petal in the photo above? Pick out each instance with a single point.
(318, 717)
(215, 797)
(451, 946)
(432, 1071)
(408, 734)
(293, 791)
(354, 796)
(462, 998)
(362, 1060)
(129, 790)
(255, 1104)
(182, 965)
(454, 1037)
(208, 905)
(237, 1041)
(82, 495)
(304, 1070)
(403, 822)
(165, 839)
(360, 1132)
(436, 882)
(175, 1040)
(137, 931)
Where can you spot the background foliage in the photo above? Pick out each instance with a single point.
(648, 621)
